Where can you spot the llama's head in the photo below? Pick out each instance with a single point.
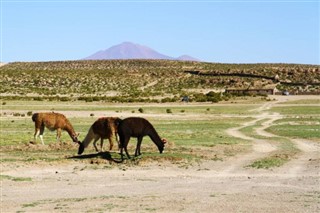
(75, 138)
(161, 147)
(164, 140)
(81, 148)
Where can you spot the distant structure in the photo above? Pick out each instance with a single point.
(263, 90)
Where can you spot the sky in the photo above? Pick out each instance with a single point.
(257, 31)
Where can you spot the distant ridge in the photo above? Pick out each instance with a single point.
(128, 50)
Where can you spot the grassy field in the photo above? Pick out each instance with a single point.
(195, 131)
(299, 122)
(200, 136)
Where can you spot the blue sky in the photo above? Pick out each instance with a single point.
(214, 31)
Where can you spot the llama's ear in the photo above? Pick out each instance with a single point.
(77, 135)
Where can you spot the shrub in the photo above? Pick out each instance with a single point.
(140, 110)
(64, 99)
(169, 111)
(38, 99)
(29, 113)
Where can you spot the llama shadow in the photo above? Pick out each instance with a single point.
(101, 155)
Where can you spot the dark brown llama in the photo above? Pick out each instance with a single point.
(53, 121)
(103, 128)
(138, 128)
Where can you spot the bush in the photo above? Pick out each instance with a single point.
(38, 99)
(29, 113)
(169, 111)
(64, 99)
(140, 110)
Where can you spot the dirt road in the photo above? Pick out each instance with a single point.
(212, 186)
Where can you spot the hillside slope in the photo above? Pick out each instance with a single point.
(141, 79)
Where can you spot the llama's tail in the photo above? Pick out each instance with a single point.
(35, 116)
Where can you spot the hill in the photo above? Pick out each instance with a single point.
(128, 50)
(146, 80)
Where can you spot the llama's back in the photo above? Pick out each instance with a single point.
(136, 126)
(52, 120)
(101, 128)
(105, 127)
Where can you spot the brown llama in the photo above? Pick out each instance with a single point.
(138, 128)
(103, 128)
(53, 121)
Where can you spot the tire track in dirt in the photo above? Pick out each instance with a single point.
(309, 151)
(260, 147)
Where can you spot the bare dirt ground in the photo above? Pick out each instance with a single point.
(211, 186)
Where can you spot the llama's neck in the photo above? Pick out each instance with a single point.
(70, 131)
(89, 137)
(155, 137)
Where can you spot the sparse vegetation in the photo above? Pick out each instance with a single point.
(3, 177)
(270, 162)
(127, 80)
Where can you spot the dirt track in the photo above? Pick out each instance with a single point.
(212, 186)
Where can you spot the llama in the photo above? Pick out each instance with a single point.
(138, 128)
(53, 121)
(103, 128)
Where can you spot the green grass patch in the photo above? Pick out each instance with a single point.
(286, 151)
(18, 179)
(304, 101)
(251, 130)
(301, 119)
(296, 110)
(269, 162)
(296, 131)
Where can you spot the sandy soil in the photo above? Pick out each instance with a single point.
(212, 186)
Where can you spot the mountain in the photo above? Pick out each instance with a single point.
(187, 58)
(128, 50)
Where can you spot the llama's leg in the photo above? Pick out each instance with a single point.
(95, 143)
(36, 134)
(41, 133)
(138, 146)
(118, 141)
(101, 145)
(111, 143)
(58, 135)
(124, 144)
(125, 147)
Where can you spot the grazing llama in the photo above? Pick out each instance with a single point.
(103, 128)
(138, 128)
(53, 121)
